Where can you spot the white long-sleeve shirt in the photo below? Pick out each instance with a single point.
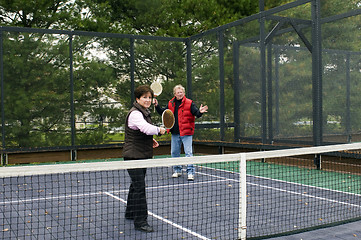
(136, 121)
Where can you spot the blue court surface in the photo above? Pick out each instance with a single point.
(348, 231)
(91, 206)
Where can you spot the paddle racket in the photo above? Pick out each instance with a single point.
(168, 119)
(157, 88)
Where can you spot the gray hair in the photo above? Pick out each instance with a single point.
(178, 87)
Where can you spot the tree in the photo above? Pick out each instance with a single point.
(37, 98)
(36, 66)
(175, 18)
(36, 73)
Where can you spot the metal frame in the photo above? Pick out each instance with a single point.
(73, 148)
(264, 43)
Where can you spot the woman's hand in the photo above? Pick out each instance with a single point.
(162, 130)
(155, 143)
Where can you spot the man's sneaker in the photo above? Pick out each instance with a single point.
(190, 177)
(176, 174)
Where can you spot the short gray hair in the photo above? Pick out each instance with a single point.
(178, 87)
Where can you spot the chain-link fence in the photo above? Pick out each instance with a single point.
(290, 74)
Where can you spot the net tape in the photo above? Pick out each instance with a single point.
(103, 166)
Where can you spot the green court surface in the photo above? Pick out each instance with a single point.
(338, 181)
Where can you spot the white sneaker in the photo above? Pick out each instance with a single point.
(176, 174)
(190, 177)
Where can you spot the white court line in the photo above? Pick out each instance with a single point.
(99, 193)
(220, 178)
(283, 181)
(296, 193)
(172, 186)
(164, 220)
(214, 176)
(305, 195)
(113, 196)
(51, 198)
(306, 185)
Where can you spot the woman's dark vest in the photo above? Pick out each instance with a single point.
(138, 145)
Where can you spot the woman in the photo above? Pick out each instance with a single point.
(185, 111)
(139, 144)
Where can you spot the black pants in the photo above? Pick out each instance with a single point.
(137, 201)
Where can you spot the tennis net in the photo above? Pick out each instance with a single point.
(234, 196)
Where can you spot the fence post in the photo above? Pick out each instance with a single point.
(189, 67)
(221, 83)
(317, 73)
(132, 69)
(269, 92)
(237, 89)
(72, 112)
(348, 99)
(2, 93)
(317, 78)
(263, 79)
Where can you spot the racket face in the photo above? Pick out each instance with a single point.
(168, 119)
(157, 88)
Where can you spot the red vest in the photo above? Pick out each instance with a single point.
(186, 120)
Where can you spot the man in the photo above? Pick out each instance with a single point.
(184, 111)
